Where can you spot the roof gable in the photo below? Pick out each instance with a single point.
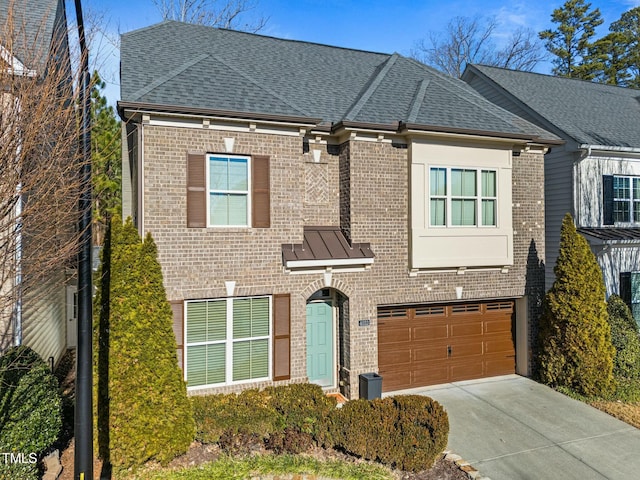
(183, 65)
(589, 113)
(29, 28)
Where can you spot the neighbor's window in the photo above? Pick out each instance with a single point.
(228, 190)
(626, 199)
(462, 197)
(227, 341)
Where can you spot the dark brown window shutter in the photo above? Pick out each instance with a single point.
(260, 195)
(196, 191)
(178, 328)
(282, 337)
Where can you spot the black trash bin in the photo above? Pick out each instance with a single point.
(370, 386)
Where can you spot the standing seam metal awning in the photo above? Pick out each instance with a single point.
(324, 247)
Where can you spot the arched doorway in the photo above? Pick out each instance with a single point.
(325, 326)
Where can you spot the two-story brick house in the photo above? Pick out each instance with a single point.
(322, 212)
(594, 174)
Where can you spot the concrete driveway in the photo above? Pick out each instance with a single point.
(512, 428)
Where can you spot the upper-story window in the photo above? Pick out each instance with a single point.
(462, 197)
(229, 187)
(228, 190)
(626, 199)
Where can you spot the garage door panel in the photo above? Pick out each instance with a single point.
(466, 370)
(466, 349)
(430, 374)
(396, 356)
(498, 325)
(500, 366)
(394, 333)
(500, 345)
(445, 343)
(466, 329)
(430, 332)
(395, 379)
(430, 354)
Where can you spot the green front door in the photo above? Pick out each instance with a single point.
(320, 343)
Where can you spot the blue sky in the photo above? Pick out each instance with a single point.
(375, 25)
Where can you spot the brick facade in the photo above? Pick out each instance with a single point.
(361, 185)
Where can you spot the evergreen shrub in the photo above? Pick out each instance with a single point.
(30, 411)
(405, 432)
(305, 408)
(248, 415)
(145, 412)
(289, 418)
(575, 349)
(625, 339)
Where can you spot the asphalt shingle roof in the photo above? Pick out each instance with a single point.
(183, 65)
(31, 26)
(590, 113)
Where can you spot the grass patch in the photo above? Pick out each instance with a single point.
(231, 468)
(627, 412)
(624, 404)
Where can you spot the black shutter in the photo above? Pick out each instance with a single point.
(607, 200)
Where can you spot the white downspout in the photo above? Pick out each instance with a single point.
(17, 333)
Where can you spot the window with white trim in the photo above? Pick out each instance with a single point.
(228, 187)
(227, 341)
(626, 199)
(462, 197)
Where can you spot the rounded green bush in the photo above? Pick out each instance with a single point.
(248, 415)
(405, 432)
(305, 408)
(30, 410)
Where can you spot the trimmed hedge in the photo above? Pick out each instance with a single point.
(288, 418)
(405, 432)
(305, 408)
(30, 411)
(248, 414)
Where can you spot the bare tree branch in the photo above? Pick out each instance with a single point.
(39, 173)
(215, 13)
(472, 40)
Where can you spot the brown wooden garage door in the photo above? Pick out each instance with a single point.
(431, 344)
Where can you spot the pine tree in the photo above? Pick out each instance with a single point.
(144, 407)
(627, 28)
(106, 154)
(609, 61)
(571, 41)
(575, 337)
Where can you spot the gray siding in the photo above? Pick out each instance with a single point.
(44, 319)
(559, 201)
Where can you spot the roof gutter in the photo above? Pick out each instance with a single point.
(405, 127)
(128, 109)
(587, 149)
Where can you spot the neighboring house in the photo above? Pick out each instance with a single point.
(322, 212)
(594, 175)
(33, 43)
